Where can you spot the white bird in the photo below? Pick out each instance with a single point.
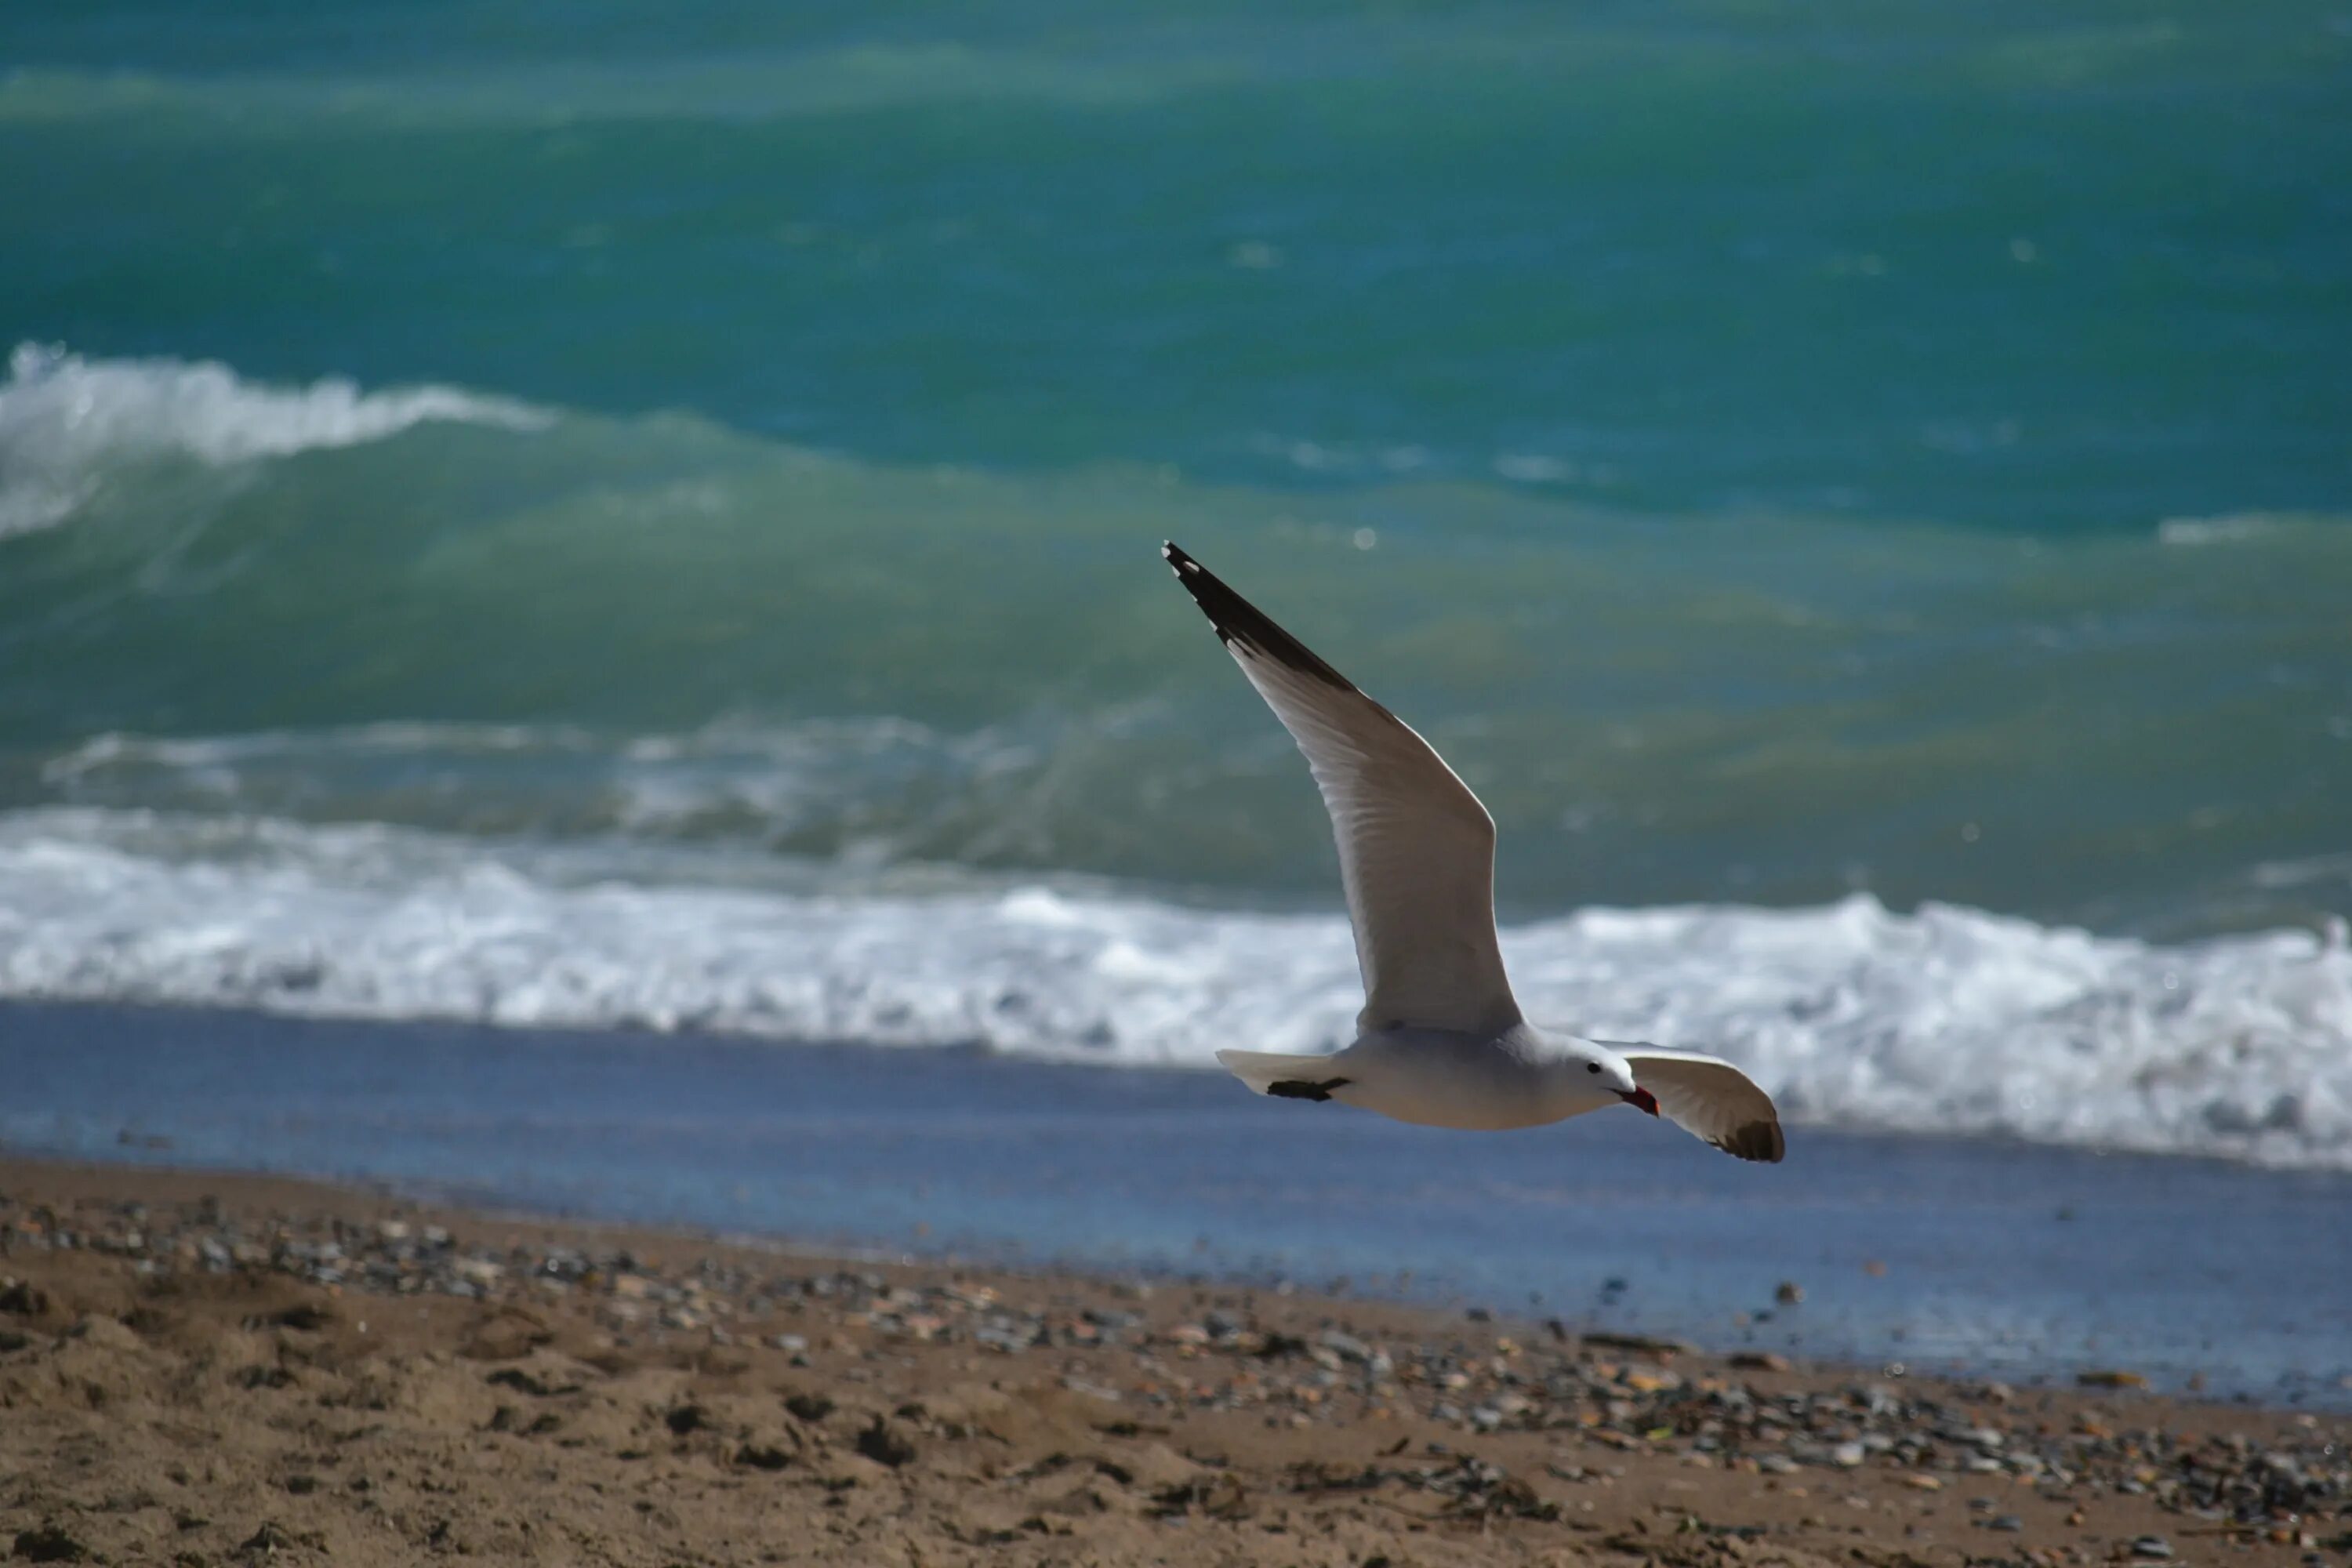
(1439, 1041)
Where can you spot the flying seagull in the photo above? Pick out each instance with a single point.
(1439, 1041)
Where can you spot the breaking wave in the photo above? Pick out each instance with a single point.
(65, 419)
(1944, 1020)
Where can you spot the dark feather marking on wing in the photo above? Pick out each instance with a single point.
(1300, 1088)
(1239, 621)
(1758, 1140)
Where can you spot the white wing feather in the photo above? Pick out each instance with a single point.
(1709, 1098)
(1416, 847)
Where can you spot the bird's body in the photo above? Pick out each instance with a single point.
(1441, 1041)
(1522, 1076)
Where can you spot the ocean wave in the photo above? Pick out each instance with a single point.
(871, 788)
(2233, 528)
(658, 628)
(65, 418)
(1943, 1020)
(740, 86)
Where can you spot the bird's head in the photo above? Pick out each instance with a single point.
(1604, 1070)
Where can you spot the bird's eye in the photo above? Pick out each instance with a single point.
(1593, 1067)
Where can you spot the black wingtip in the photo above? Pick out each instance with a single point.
(1758, 1140)
(1241, 625)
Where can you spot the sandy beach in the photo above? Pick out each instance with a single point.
(199, 1368)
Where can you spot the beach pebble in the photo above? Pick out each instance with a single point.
(1648, 1343)
(2110, 1377)
(2151, 1546)
(505, 1334)
(482, 1272)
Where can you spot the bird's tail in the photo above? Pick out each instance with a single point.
(1263, 1069)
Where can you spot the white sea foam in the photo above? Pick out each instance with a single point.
(64, 419)
(1946, 1020)
(1534, 468)
(861, 779)
(2235, 528)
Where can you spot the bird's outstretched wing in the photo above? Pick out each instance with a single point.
(1416, 849)
(1709, 1098)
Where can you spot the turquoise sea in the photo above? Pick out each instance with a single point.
(591, 516)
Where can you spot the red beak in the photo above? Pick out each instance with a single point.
(1641, 1099)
